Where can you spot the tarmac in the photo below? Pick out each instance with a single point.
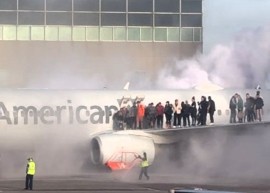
(97, 183)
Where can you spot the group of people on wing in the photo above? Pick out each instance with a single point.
(151, 116)
(248, 111)
(198, 115)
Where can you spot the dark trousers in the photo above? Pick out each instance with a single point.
(131, 123)
(233, 116)
(186, 120)
(176, 119)
(193, 118)
(211, 113)
(204, 116)
(168, 119)
(250, 115)
(29, 181)
(160, 121)
(144, 171)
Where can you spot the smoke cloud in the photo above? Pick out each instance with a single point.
(239, 156)
(244, 63)
(57, 150)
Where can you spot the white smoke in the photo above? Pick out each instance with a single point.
(244, 63)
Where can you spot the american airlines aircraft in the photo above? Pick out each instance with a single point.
(24, 110)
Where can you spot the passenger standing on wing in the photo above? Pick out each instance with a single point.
(30, 172)
(182, 112)
(193, 111)
(177, 114)
(160, 112)
(147, 116)
(144, 166)
(199, 115)
(168, 110)
(259, 106)
(125, 112)
(121, 118)
(233, 109)
(186, 113)
(253, 108)
(131, 117)
(211, 109)
(116, 117)
(140, 114)
(204, 107)
(240, 108)
(152, 115)
(249, 108)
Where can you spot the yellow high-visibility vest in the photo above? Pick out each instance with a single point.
(144, 163)
(31, 170)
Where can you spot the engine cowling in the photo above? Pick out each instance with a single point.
(119, 151)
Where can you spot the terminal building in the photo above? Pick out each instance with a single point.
(115, 40)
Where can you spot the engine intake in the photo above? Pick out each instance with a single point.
(123, 148)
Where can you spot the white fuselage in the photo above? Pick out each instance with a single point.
(29, 119)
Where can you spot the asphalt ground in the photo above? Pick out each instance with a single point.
(101, 183)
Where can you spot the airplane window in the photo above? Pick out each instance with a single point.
(227, 112)
(219, 112)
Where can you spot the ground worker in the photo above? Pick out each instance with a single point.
(30, 172)
(144, 166)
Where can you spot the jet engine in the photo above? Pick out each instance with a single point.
(121, 151)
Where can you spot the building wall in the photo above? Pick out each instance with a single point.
(34, 63)
(107, 42)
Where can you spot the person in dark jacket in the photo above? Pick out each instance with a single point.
(204, 107)
(131, 117)
(186, 114)
(249, 108)
(259, 106)
(168, 110)
(233, 104)
(240, 108)
(199, 114)
(211, 109)
(193, 111)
